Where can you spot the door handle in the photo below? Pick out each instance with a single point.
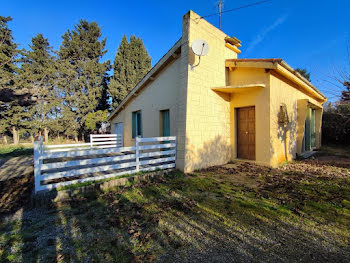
(246, 132)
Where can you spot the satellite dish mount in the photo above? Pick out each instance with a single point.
(200, 48)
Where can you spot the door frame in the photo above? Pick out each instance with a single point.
(309, 136)
(236, 129)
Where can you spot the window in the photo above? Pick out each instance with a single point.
(136, 124)
(164, 123)
(309, 140)
(313, 128)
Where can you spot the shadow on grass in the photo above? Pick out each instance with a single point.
(15, 193)
(221, 227)
(204, 217)
(31, 235)
(342, 151)
(15, 151)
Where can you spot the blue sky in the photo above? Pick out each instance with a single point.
(309, 34)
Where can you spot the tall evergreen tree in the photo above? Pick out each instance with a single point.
(37, 75)
(8, 52)
(304, 73)
(8, 55)
(11, 102)
(81, 72)
(9, 58)
(104, 98)
(131, 64)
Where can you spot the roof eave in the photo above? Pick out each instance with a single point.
(274, 64)
(293, 71)
(165, 60)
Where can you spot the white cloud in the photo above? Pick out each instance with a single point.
(260, 37)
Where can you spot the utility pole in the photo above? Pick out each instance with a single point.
(220, 4)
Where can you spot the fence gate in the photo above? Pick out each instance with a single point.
(106, 140)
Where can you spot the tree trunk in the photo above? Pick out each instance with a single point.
(4, 137)
(15, 136)
(76, 138)
(46, 135)
(31, 138)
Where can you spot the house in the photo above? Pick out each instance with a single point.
(225, 108)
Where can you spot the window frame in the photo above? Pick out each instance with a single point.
(161, 122)
(136, 124)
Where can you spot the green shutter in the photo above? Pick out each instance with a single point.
(139, 124)
(133, 124)
(166, 123)
(308, 130)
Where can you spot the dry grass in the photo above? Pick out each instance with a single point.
(238, 212)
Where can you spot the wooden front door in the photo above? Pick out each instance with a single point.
(246, 133)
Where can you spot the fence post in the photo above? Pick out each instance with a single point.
(38, 150)
(175, 149)
(137, 154)
(90, 140)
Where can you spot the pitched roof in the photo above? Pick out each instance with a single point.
(171, 55)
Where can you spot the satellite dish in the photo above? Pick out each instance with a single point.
(200, 47)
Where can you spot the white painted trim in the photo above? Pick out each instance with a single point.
(158, 139)
(102, 160)
(104, 135)
(103, 139)
(137, 140)
(51, 155)
(160, 160)
(157, 146)
(135, 161)
(83, 171)
(66, 145)
(164, 166)
(38, 149)
(160, 153)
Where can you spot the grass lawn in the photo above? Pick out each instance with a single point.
(8, 151)
(234, 213)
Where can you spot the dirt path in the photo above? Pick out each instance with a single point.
(16, 183)
(15, 167)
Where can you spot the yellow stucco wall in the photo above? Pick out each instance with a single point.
(275, 143)
(204, 120)
(159, 95)
(208, 138)
(284, 138)
(260, 99)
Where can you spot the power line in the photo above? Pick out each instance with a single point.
(237, 8)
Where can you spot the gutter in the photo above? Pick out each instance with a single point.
(290, 69)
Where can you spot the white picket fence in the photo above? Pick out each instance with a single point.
(61, 165)
(106, 140)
